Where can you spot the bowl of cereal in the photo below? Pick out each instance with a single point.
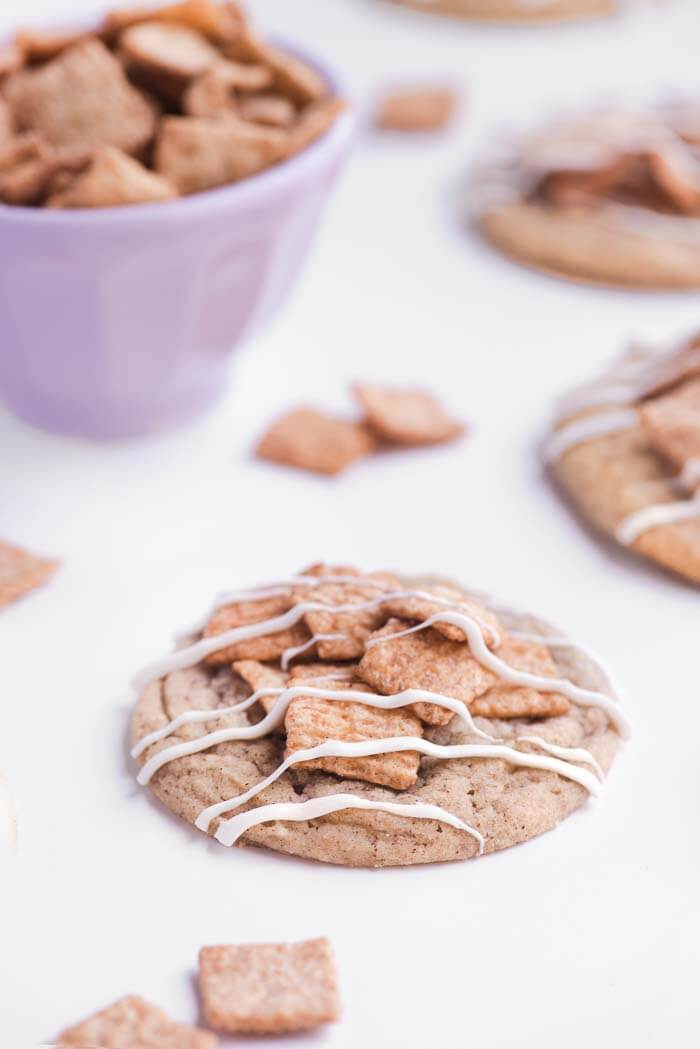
(161, 178)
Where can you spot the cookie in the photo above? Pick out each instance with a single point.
(611, 199)
(541, 739)
(514, 10)
(626, 451)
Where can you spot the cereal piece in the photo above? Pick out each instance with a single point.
(269, 988)
(245, 613)
(311, 721)
(11, 59)
(196, 154)
(677, 174)
(82, 98)
(26, 165)
(271, 110)
(321, 672)
(173, 50)
(406, 416)
(355, 627)
(21, 572)
(416, 109)
(112, 178)
(292, 77)
(38, 45)
(216, 21)
(257, 675)
(7, 124)
(314, 122)
(132, 1023)
(424, 660)
(214, 93)
(312, 440)
(422, 608)
(672, 423)
(517, 701)
(569, 189)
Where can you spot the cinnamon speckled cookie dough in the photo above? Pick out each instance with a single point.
(612, 198)
(515, 10)
(626, 450)
(376, 760)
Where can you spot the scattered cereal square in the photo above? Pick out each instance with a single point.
(292, 77)
(271, 110)
(214, 93)
(26, 166)
(218, 22)
(417, 109)
(312, 440)
(406, 416)
(167, 48)
(447, 599)
(352, 628)
(21, 572)
(269, 988)
(132, 1023)
(521, 701)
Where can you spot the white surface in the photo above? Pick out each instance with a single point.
(588, 936)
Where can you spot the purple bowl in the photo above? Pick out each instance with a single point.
(122, 321)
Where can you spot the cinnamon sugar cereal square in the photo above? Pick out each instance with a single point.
(672, 423)
(312, 440)
(417, 109)
(351, 628)
(167, 48)
(522, 701)
(21, 572)
(198, 154)
(246, 613)
(291, 76)
(40, 45)
(447, 599)
(111, 178)
(314, 121)
(424, 660)
(82, 98)
(311, 721)
(218, 22)
(214, 93)
(406, 416)
(259, 675)
(271, 110)
(269, 988)
(26, 165)
(132, 1023)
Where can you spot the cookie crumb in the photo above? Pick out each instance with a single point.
(269, 988)
(21, 572)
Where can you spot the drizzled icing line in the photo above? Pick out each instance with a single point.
(230, 831)
(625, 383)
(399, 744)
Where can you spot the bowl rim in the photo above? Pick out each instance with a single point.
(251, 191)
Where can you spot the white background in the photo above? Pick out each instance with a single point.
(588, 936)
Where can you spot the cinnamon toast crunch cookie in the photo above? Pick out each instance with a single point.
(515, 10)
(453, 728)
(626, 450)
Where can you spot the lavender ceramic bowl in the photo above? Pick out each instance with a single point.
(123, 321)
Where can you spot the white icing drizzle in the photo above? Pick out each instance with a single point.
(654, 516)
(636, 375)
(230, 831)
(561, 760)
(581, 696)
(291, 653)
(579, 430)
(274, 719)
(400, 744)
(566, 642)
